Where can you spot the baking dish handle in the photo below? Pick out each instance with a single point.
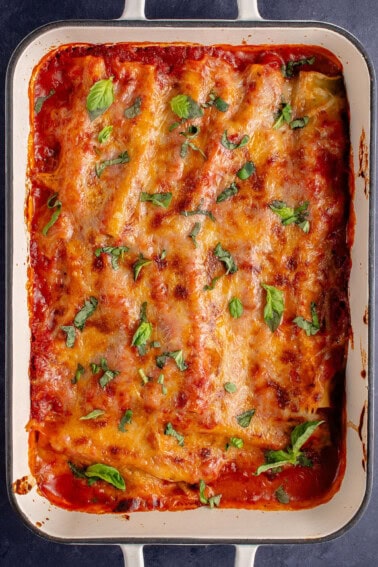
(244, 556)
(135, 10)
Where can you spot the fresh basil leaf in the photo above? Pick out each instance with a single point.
(211, 285)
(311, 327)
(86, 311)
(198, 211)
(142, 334)
(173, 433)
(106, 473)
(278, 456)
(70, 335)
(235, 442)
(194, 233)
(287, 69)
(79, 372)
(122, 158)
(227, 193)
(244, 419)
(179, 359)
(185, 107)
(92, 415)
(139, 264)
(226, 143)
(133, 110)
(52, 203)
(41, 100)
(271, 466)
(225, 257)
(281, 495)
(235, 307)
(107, 377)
(246, 171)
(283, 115)
(100, 97)
(301, 433)
(230, 387)
(292, 215)
(125, 419)
(115, 252)
(104, 134)
(299, 122)
(274, 306)
(158, 199)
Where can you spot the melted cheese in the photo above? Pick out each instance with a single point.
(286, 377)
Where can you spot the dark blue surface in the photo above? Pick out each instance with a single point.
(18, 546)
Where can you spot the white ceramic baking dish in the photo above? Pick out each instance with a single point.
(244, 528)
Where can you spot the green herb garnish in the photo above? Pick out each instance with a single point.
(289, 215)
(287, 69)
(173, 433)
(311, 327)
(228, 192)
(139, 264)
(122, 158)
(158, 199)
(230, 387)
(185, 107)
(116, 253)
(281, 495)
(225, 257)
(235, 442)
(85, 312)
(70, 335)
(274, 306)
(100, 97)
(282, 116)
(235, 307)
(79, 372)
(92, 415)
(163, 386)
(133, 110)
(212, 501)
(108, 375)
(143, 332)
(226, 143)
(198, 211)
(143, 375)
(244, 419)
(211, 285)
(177, 357)
(41, 100)
(105, 133)
(293, 454)
(299, 122)
(52, 203)
(194, 233)
(246, 171)
(125, 419)
(216, 101)
(106, 473)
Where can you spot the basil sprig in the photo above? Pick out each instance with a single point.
(293, 454)
(85, 312)
(52, 203)
(135, 109)
(41, 100)
(158, 199)
(169, 430)
(311, 327)
(212, 501)
(100, 97)
(292, 215)
(235, 307)
(274, 306)
(228, 192)
(288, 68)
(139, 264)
(185, 107)
(143, 332)
(122, 158)
(226, 143)
(116, 253)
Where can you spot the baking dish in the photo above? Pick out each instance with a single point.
(226, 525)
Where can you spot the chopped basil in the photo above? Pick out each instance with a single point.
(289, 215)
(211, 285)
(299, 122)
(158, 199)
(246, 171)
(78, 472)
(41, 100)
(107, 377)
(186, 145)
(235, 442)
(104, 135)
(287, 69)
(100, 97)
(311, 327)
(274, 306)
(93, 414)
(85, 312)
(155, 344)
(173, 126)
(106, 473)
(225, 257)
(139, 264)
(173, 433)
(244, 419)
(293, 454)
(230, 387)
(143, 332)
(143, 375)
(226, 143)
(194, 233)
(79, 372)
(281, 495)
(95, 368)
(177, 357)
(216, 101)
(133, 110)
(227, 193)
(199, 211)
(235, 307)
(185, 107)
(122, 158)
(70, 335)
(52, 203)
(163, 386)
(212, 501)
(283, 115)
(125, 419)
(163, 255)
(115, 252)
